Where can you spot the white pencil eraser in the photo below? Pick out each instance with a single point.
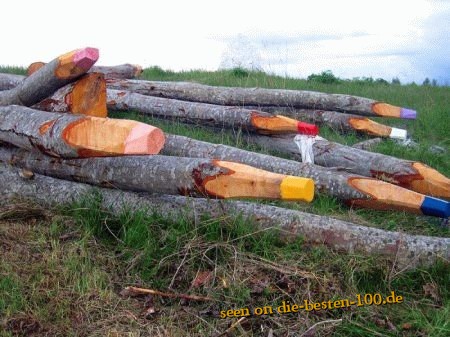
(398, 133)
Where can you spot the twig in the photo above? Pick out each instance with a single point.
(235, 324)
(367, 329)
(135, 291)
(333, 321)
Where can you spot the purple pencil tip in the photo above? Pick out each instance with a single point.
(408, 113)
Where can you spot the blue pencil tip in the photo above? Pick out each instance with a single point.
(435, 207)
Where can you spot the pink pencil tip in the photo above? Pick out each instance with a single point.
(144, 139)
(86, 57)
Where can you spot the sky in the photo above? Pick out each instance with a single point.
(381, 39)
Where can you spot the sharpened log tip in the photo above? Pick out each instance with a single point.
(144, 138)
(388, 196)
(388, 110)
(95, 136)
(76, 63)
(432, 183)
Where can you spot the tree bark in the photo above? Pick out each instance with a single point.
(338, 121)
(367, 145)
(122, 71)
(262, 97)
(409, 174)
(168, 175)
(406, 250)
(56, 74)
(10, 81)
(207, 114)
(86, 96)
(355, 190)
(72, 136)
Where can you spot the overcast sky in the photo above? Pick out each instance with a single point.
(394, 38)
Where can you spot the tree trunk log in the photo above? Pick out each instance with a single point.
(72, 136)
(338, 121)
(367, 145)
(10, 81)
(406, 250)
(168, 175)
(207, 114)
(353, 189)
(409, 174)
(48, 79)
(259, 96)
(122, 71)
(86, 96)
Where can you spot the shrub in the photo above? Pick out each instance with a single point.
(326, 77)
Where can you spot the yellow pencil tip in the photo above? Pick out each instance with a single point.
(297, 188)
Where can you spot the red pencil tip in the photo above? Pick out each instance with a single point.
(85, 58)
(307, 129)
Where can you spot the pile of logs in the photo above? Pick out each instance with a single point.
(54, 123)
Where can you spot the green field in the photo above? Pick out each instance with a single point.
(62, 269)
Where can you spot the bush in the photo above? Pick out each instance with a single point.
(239, 72)
(326, 77)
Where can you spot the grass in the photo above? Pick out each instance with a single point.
(62, 269)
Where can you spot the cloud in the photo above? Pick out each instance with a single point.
(433, 49)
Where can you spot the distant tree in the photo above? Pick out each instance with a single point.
(434, 82)
(396, 80)
(426, 82)
(326, 77)
(381, 81)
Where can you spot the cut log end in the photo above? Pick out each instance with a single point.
(388, 110)
(76, 63)
(432, 183)
(93, 136)
(89, 96)
(33, 67)
(138, 70)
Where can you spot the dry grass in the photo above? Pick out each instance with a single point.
(64, 281)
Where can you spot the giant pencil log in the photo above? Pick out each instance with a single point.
(351, 188)
(86, 96)
(168, 175)
(259, 96)
(338, 121)
(406, 250)
(207, 114)
(122, 71)
(54, 75)
(69, 136)
(415, 176)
